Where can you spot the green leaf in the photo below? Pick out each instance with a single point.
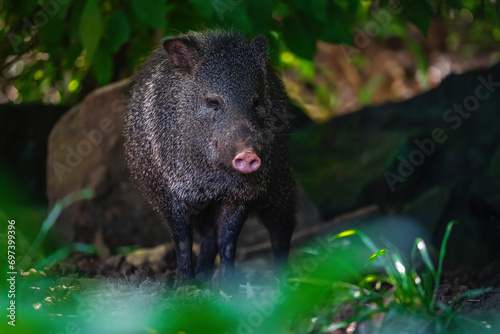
(337, 28)
(102, 66)
(74, 21)
(232, 15)
(72, 53)
(352, 7)
(203, 7)
(315, 9)
(419, 13)
(117, 31)
(90, 28)
(54, 9)
(47, 224)
(297, 38)
(52, 33)
(260, 13)
(152, 13)
(424, 253)
(26, 9)
(442, 252)
(62, 11)
(491, 12)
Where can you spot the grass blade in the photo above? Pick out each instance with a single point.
(441, 260)
(52, 217)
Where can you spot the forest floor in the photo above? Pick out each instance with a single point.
(140, 280)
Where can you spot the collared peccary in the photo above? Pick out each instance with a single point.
(206, 138)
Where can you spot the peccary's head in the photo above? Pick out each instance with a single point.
(228, 101)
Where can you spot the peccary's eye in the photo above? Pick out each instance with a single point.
(214, 103)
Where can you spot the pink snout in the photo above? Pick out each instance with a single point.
(246, 162)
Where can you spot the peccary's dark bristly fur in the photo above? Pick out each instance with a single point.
(206, 128)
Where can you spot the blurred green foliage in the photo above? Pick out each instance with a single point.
(58, 50)
(323, 290)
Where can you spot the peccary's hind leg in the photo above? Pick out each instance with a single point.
(208, 252)
(229, 220)
(280, 232)
(278, 216)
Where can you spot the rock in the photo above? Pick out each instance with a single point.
(429, 206)
(434, 156)
(86, 151)
(343, 164)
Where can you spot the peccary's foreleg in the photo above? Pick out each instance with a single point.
(182, 236)
(208, 252)
(229, 220)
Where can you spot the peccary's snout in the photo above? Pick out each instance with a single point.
(246, 162)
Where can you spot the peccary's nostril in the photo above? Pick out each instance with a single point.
(246, 162)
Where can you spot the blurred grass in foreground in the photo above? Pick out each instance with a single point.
(333, 284)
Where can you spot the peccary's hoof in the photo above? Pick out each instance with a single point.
(183, 281)
(246, 162)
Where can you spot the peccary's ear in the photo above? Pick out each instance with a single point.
(184, 53)
(260, 46)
